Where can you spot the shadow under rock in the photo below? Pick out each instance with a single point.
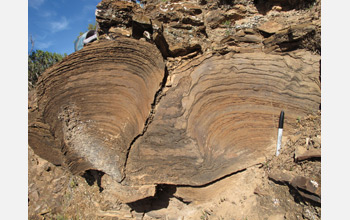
(159, 201)
(92, 176)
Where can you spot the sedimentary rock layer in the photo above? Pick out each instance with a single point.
(94, 103)
(220, 115)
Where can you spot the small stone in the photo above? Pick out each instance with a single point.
(277, 8)
(307, 184)
(240, 7)
(302, 154)
(300, 150)
(307, 141)
(240, 33)
(279, 176)
(120, 31)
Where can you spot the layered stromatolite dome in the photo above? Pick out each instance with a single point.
(221, 115)
(92, 105)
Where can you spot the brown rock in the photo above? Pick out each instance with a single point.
(302, 154)
(182, 30)
(214, 18)
(270, 27)
(291, 37)
(307, 184)
(182, 49)
(126, 194)
(235, 14)
(308, 188)
(240, 8)
(114, 13)
(310, 196)
(277, 8)
(120, 32)
(279, 176)
(248, 38)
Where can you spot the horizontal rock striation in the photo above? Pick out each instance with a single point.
(221, 114)
(94, 103)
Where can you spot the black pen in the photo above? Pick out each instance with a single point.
(280, 131)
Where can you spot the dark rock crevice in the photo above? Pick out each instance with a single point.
(158, 95)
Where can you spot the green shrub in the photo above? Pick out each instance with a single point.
(38, 62)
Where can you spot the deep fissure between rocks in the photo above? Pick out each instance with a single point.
(157, 96)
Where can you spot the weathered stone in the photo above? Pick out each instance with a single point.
(180, 42)
(214, 18)
(277, 8)
(234, 14)
(248, 38)
(303, 154)
(117, 32)
(183, 49)
(241, 8)
(291, 37)
(182, 28)
(270, 27)
(281, 177)
(114, 13)
(307, 184)
(308, 188)
(126, 194)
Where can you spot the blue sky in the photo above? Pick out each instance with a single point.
(55, 24)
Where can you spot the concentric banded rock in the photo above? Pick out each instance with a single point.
(94, 103)
(221, 115)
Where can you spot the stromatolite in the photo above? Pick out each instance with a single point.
(220, 116)
(94, 103)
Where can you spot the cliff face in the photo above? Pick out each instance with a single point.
(182, 93)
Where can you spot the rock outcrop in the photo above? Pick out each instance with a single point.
(176, 93)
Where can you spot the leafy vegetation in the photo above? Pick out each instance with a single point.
(38, 62)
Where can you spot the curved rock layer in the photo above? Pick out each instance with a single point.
(94, 103)
(221, 116)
